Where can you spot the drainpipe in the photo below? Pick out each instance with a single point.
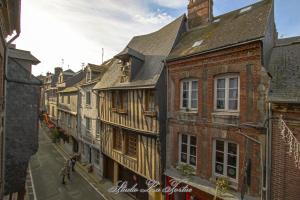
(269, 153)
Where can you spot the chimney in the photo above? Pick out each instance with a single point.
(57, 70)
(200, 12)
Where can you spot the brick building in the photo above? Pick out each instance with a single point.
(217, 89)
(284, 98)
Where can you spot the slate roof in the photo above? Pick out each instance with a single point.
(228, 29)
(284, 68)
(73, 82)
(95, 68)
(154, 48)
(23, 55)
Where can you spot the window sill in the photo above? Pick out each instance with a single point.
(225, 113)
(184, 111)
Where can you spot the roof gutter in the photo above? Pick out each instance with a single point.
(215, 49)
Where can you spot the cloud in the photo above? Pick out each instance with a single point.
(171, 3)
(77, 30)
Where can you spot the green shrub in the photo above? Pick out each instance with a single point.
(186, 170)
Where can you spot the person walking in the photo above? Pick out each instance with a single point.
(73, 162)
(63, 174)
(68, 167)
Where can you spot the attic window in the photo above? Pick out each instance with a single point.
(197, 43)
(245, 9)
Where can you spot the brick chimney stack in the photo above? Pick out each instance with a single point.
(200, 12)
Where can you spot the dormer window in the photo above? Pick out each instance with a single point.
(125, 69)
(88, 76)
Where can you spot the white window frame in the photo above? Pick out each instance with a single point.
(188, 149)
(225, 160)
(188, 108)
(226, 77)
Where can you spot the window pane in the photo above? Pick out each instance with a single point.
(221, 94)
(194, 94)
(193, 160)
(195, 85)
(184, 138)
(233, 83)
(193, 151)
(233, 104)
(232, 148)
(193, 140)
(231, 160)
(185, 86)
(194, 104)
(220, 145)
(219, 168)
(220, 104)
(184, 148)
(185, 94)
(231, 172)
(221, 83)
(184, 103)
(233, 93)
(183, 158)
(220, 157)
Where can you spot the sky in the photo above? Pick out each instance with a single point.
(72, 33)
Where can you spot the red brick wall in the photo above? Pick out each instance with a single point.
(244, 60)
(285, 177)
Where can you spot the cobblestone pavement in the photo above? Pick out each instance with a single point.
(45, 168)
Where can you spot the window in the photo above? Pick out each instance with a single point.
(149, 100)
(188, 147)
(96, 156)
(131, 144)
(226, 159)
(189, 94)
(123, 100)
(227, 93)
(117, 139)
(62, 98)
(88, 76)
(69, 120)
(69, 99)
(114, 99)
(98, 129)
(88, 98)
(88, 124)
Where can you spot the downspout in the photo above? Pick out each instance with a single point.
(167, 118)
(269, 153)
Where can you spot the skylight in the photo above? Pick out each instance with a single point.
(245, 9)
(197, 43)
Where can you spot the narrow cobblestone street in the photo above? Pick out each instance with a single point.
(45, 167)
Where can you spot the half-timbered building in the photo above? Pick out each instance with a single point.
(217, 88)
(67, 110)
(88, 121)
(132, 108)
